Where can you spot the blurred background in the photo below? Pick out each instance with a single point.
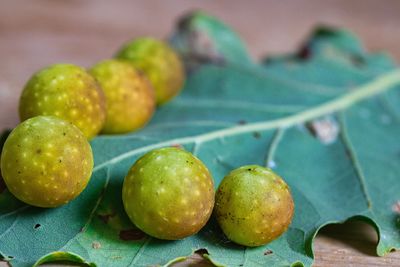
(35, 33)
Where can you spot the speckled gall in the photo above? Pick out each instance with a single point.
(253, 205)
(129, 96)
(168, 193)
(67, 92)
(159, 62)
(46, 161)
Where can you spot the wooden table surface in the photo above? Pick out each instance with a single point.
(37, 33)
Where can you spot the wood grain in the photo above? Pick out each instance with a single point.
(36, 33)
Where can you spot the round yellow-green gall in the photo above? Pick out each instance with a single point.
(253, 205)
(168, 194)
(46, 161)
(159, 62)
(129, 96)
(67, 92)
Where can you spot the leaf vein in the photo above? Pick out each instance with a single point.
(91, 215)
(379, 85)
(273, 147)
(352, 154)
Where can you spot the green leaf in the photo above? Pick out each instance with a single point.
(63, 256)
(327, 123)
(341, 39)
(201, 38)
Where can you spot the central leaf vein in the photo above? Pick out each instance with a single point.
(379, 85)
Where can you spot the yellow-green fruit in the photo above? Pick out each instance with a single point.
(67, 92)
(129, 96)
(253, 205)
(168, 193)
(159, 62)
(46, 161)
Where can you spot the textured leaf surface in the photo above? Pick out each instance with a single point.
(325, 118)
